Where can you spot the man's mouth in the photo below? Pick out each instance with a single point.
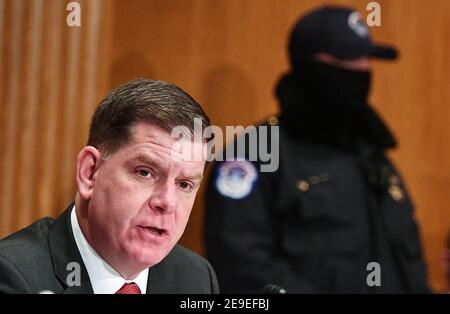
(154, 232)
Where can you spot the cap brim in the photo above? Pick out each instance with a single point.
(383, 52)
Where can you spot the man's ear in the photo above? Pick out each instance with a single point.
(88, 161)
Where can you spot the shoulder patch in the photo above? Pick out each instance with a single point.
(235, 179)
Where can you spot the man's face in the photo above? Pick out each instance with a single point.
(142, 198)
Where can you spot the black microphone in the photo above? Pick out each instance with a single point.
(273, 289)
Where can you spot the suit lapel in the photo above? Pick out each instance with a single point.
(161, 277)
(156, 283)
(64, 251)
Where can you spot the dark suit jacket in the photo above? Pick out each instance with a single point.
(36, 258)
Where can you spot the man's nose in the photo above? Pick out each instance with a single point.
(164, 198)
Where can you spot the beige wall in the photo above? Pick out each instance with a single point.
(228, 55)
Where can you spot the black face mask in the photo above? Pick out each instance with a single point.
(337, 97)
(330, 86)
(324, 103)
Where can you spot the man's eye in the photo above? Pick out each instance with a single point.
(186, 186)
(144, 173)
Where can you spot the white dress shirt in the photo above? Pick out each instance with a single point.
(104, 279)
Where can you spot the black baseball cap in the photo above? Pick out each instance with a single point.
(339, 31)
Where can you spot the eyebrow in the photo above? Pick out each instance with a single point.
(147, 159)
(150, 161)
(198, 177)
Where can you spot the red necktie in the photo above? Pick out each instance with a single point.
(129, 288)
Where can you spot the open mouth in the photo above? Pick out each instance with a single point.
(154, 231)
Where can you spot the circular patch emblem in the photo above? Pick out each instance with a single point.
(235, 179)
(356, 23)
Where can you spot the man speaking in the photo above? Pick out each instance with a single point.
(132, 205)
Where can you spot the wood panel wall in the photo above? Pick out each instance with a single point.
(228, 54)
(48, 89)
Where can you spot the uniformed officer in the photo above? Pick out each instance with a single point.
(335, 217)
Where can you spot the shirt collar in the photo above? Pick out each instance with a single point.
(104, 279)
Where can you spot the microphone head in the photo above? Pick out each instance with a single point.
(273, 289)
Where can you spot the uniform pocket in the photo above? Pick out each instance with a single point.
(316, 200)
(320, 226)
